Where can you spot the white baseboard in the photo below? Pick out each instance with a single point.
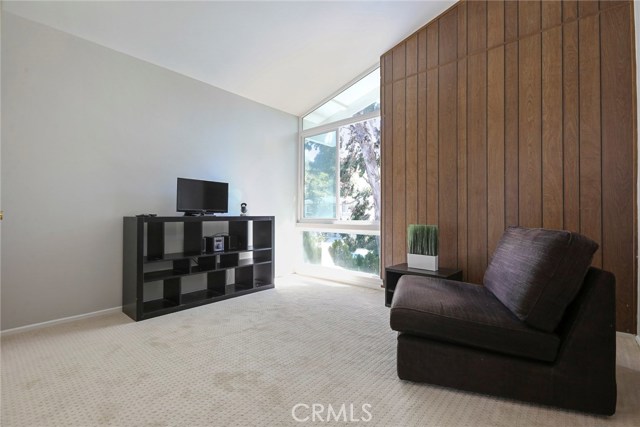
(638, 339)
(58, 321)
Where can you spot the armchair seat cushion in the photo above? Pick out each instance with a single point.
(466, 314)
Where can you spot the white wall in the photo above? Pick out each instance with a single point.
(91, 135)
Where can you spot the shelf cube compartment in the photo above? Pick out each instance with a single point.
(182, 266)
(262, 256)
(229, 260)
(244, 278)
(239, 229)
(206, 263)
(217, 281)
(193, 238)
(155, 240)
(262, 234)
(158, 271)
(263, 274)
(170, 296)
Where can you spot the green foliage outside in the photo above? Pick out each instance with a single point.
(320, 181)
(359, 195)
(360, 157)
(342, 252)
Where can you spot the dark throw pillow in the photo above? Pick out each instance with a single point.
(536, 273)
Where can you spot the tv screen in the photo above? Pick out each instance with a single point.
(196, 196)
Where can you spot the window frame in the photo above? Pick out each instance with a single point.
(331, 127)
(371, 227)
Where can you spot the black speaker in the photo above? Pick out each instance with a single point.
(231, 243)
(207, 245)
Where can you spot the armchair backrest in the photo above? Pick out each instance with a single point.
(536, 273)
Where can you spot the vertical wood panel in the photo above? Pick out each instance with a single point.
(552, 150)
(590, 148)
(432, 45)
(387, 165)
(476, 26)
(587, 7)
(388, 66)
(448, 37)
(432, 146)
(530, 126)
(422, 148)
(569, 10)
(462, 139)
(551, 14)
(399, 61)
(605, 4)
(423, 44)
(477, 166)
(462, 29)
(495, 23)
(398, 149)
(528, 17)
(617, 172)
(511, 155)
(495, 148)
(411, 135)
(476, 140)
(462, 167)
(571, 122)
(399, 167)
(447, 137)
(422, 50)
(447, 173)
(412, 55)
(510, 20)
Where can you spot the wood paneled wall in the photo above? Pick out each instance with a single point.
(514, 113)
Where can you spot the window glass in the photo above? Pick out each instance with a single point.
(358, 252)
(361, 98)
(360, 171)
(320, 176)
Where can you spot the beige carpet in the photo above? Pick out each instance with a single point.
(248, 361)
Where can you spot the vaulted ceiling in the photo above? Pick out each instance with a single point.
(287, 55)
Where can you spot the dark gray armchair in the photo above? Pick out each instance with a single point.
(541, 329)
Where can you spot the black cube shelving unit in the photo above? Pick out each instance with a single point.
(145, 262)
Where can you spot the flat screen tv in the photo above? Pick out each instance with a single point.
(196, 197)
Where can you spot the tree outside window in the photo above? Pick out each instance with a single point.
(359, 195)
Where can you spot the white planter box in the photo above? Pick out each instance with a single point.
(424, 262)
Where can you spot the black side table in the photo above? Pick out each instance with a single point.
(392, 275)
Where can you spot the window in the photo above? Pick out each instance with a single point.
(340, 180)
(360, 98)
(356, 252)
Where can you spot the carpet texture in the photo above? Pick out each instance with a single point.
(248, 361)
